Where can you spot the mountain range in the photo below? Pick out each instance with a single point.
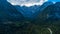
(32, 11)
(14, 13)
(8, 12)
(51, 14)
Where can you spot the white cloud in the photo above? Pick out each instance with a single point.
(53, 2)
(27, 2)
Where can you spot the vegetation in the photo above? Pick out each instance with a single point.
(13, 22)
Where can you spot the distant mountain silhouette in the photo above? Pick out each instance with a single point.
(8, 12)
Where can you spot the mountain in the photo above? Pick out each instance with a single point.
(8, 12)
(52, 10)
(42, 7)
(57, 4)
(28, 12)
(32, 11)
(51, 14)
(45, 5)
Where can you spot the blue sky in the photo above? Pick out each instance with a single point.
(54, 0)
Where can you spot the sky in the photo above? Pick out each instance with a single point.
(54, 0)
(29, 3)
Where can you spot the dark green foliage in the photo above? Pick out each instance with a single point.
(13, 22)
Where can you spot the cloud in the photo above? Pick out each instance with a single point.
(26, 2)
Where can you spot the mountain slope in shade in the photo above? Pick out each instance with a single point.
(52, 10)
(28, 12)
(41, 8)
(8, 12)
(31, 12)
(51, 14)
